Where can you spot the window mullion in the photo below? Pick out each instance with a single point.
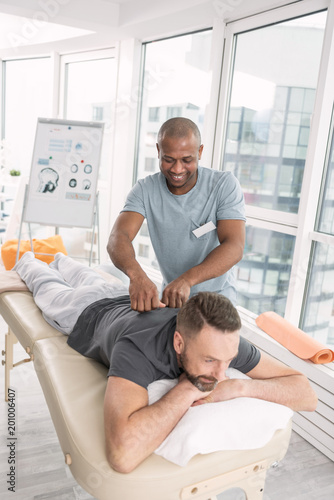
(224, 97)
(326, 239)
(2, 101)
(55, 58)
(314, 165)
(211, 116)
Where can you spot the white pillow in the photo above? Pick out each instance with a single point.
(238, 424)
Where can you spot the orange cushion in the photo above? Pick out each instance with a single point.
(50, 245)
(293, 338)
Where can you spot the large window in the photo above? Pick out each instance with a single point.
(264, 272)
(89, 95)
(318, 318)
(176, 82)
(273, 91)
(273, 124)
(27, 96)
(89, 86)
(271, 102)
(325, 222)
(319, 306)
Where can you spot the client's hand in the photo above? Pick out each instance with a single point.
(196, 393)
(225, 390)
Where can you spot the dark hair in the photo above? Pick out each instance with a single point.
(178, 127)
(207, 308)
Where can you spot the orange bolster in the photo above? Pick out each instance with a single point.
(49, 246)
(293, 338)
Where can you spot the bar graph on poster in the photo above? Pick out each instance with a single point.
(64, 172)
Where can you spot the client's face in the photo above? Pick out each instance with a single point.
(206, 357)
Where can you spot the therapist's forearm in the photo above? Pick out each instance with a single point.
(217, 263)
(143, 292)
(122, 254)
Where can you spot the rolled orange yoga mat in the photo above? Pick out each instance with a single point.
(294, 339)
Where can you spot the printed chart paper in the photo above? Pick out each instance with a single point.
(64, 173)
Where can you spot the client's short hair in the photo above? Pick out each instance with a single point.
(207, 308)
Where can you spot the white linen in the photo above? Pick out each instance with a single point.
(238, 424)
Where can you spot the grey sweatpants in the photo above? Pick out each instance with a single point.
(63, 289)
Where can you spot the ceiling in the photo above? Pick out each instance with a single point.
(55, 23)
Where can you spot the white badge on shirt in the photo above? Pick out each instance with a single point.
(206, 228)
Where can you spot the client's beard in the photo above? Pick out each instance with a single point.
(196, 379)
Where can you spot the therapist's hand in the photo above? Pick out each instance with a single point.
(144, 294)
(176, 293)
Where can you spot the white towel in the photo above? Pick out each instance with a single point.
(238, 424)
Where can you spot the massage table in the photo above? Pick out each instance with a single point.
(74, 388)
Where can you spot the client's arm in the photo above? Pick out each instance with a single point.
(270, 380)
(133, 429)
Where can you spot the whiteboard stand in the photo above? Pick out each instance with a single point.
(95, 230)
(62, 188)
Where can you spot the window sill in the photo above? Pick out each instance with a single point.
(322, 375)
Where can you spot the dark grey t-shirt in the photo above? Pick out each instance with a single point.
(138, 346)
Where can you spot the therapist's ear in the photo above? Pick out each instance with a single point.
(157, 145)
(178, 342)
(200, 151)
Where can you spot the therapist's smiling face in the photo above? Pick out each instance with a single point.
(178, 162)
(205, 357)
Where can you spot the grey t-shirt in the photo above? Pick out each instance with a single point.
(171, 220)
(138, 346)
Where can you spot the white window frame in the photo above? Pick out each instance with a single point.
(302, 224)
(316, 427)
(103, 185)
(65, 59)
(53, 56)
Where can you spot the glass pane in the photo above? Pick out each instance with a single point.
(28, 95)
(326, 216)
(263, 273)
(319, 308)
(177, 82)
(89, 96)
(272, 98)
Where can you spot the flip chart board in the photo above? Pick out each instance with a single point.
(64, 173)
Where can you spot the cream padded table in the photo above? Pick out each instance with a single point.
(74, 389)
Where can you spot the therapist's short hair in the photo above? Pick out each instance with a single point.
(207, 308)
(178, 127)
